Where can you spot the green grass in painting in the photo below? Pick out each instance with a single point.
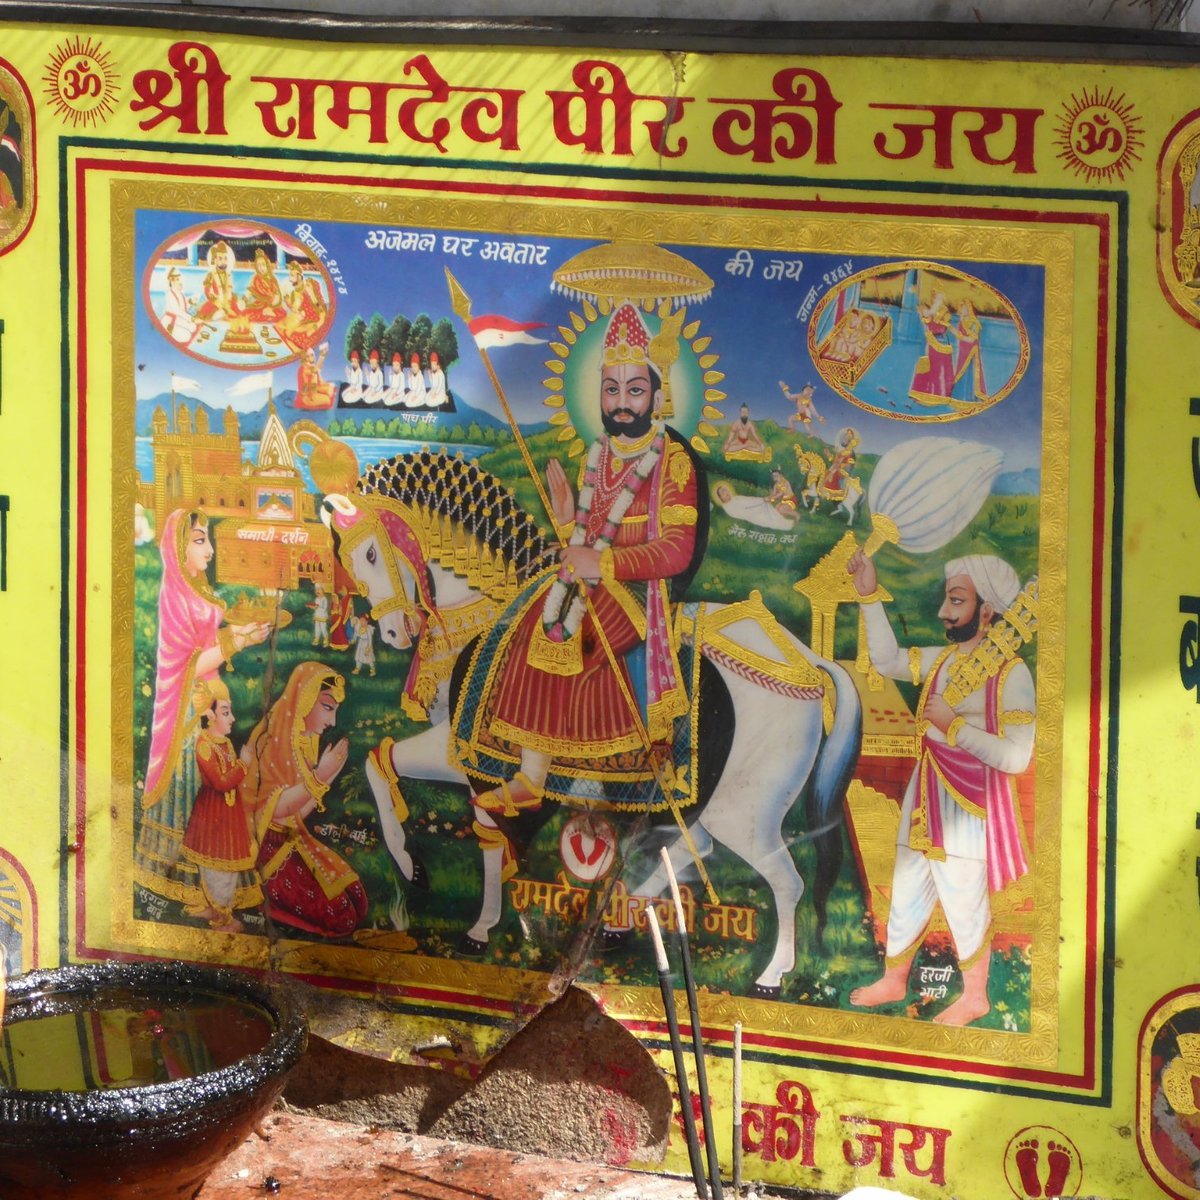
(439, 827)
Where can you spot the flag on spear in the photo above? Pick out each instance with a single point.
(492, 331)
(489, 331)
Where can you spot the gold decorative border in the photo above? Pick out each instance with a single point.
(908, 237)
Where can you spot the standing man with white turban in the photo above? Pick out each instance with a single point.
(960, 837)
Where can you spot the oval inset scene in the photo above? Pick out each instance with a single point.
(919, 341)
(1178, 225)
(1168, 1092)
(17, 156)
(238, 294)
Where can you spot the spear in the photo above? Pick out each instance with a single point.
(461, 303)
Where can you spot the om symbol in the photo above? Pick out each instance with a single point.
(1098, 135)
(80, 80)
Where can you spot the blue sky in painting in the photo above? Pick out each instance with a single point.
(755, 325)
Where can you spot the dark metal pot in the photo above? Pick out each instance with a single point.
(152, 1140)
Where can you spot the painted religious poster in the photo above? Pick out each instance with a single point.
(440, 509)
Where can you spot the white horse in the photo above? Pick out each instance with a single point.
(437, 546)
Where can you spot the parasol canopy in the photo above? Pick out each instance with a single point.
(632, 271)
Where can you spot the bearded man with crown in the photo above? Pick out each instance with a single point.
(588, 671)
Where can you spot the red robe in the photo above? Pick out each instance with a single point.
(834, 482)
(312, 392)
(301, 327)
(933, 378)
(219, 299)
(218, 831)
(588, 715)
(341, 611)
(263, 300)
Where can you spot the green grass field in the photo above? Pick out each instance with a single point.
(439, 827)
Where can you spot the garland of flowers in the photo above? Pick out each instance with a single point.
(559, 628)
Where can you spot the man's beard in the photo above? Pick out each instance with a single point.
(633, 428)
(964, 633)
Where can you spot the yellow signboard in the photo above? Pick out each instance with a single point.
(439, 477)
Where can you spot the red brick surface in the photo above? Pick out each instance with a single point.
(313, 1159)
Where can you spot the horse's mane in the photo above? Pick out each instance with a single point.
(471, 499)
(811, 462)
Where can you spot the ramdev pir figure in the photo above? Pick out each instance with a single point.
(589, 669)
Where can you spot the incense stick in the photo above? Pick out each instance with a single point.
(685, 1096)
(737, 1108)
(710, 1142)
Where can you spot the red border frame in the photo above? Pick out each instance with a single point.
(1100, 221)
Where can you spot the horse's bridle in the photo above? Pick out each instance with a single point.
(371, 523)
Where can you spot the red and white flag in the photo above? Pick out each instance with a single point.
(491, 330)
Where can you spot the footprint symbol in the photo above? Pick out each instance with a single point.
(1060, 1165)
(1027, 1168)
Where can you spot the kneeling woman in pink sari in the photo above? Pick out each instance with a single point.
(307, 885)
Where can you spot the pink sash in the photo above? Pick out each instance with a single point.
(979, 789)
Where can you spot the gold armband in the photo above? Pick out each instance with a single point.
(1016, 717)
(225, 643)
(914, 663)
(678, 514)
(608, 572)
(953, 730)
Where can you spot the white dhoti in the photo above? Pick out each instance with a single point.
(219, 886)
(918, 883)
